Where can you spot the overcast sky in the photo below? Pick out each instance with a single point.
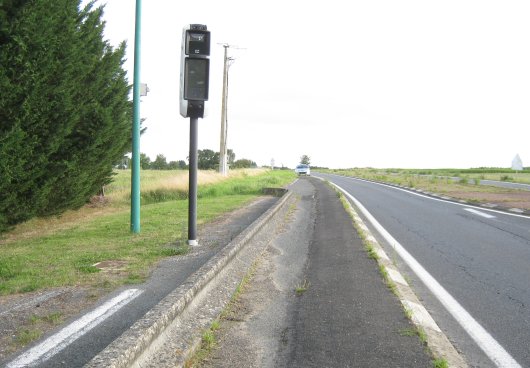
(392, 83)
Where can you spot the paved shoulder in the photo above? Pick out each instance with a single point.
(347, 317)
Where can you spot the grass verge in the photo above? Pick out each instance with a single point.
(54, 253)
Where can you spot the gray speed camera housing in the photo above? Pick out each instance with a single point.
(194, 71)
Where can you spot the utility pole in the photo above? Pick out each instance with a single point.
(223, 150)
(223, 164)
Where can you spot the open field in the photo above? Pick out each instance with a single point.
(506, 175)
(61, 251)
(439, 181)
(497, 174)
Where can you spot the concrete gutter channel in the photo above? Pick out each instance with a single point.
(171, 331)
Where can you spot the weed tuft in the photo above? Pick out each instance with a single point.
(302, 287)
(372, 254)
(216, 325)
(408, 332)
(208, 339)
(25, 336)
(440, 363)
(54, 318)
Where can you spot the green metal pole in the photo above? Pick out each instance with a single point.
(135, 169)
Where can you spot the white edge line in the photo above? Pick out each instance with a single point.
(483, 339)
(64, 337)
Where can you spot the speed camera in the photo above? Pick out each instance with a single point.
(194, 71)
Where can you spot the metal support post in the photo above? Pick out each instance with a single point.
(192, 196)
(135, 161)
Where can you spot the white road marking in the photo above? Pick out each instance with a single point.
(483, 339)
(67, 335)
(479, 213)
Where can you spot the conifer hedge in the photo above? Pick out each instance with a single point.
(65, 115)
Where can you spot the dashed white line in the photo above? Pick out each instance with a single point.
(67, 335)
(484, 340)
(479, 213)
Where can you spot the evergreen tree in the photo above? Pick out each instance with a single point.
(102, 133)
(64, 110)
(29, 57)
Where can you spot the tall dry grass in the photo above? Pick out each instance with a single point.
(156, 186)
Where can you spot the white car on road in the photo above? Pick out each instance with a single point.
(303, 170)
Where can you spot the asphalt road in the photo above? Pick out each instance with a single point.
(481, 257)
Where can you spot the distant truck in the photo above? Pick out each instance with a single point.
(302, 170)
